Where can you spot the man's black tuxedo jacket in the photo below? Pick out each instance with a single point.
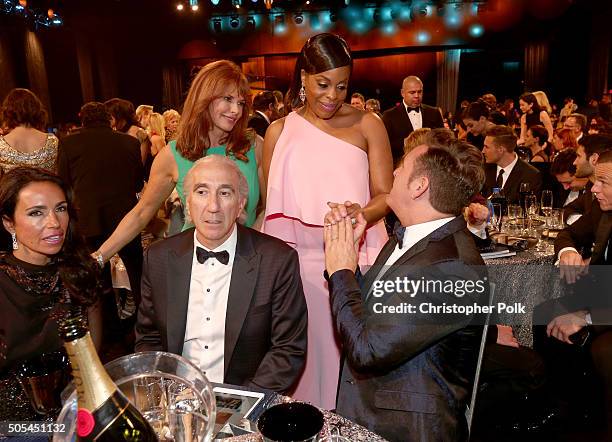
(521, 173)
(581, 205)
(258, 123)
(408, 377)
(590, 235)
(266, 317)
(399, 126)
(105, 170)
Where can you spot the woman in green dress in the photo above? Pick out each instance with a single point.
(214, 121)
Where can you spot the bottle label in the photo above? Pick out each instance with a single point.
(85, 422)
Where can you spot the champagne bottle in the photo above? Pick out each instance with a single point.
(104, 413)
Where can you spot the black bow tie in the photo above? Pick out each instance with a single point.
(398, 231)
(415, 109)
(203, 255)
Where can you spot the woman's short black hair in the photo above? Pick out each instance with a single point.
(321, 53)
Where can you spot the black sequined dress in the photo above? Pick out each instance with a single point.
(32, 299)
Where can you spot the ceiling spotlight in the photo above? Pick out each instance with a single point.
(180, 7)
(234, 21)
(298, 18)
(250, 23)
(333, 16)
(236, 3)
(194, 5)
(307, 2)
(217, 25)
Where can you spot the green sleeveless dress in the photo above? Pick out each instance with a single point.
(249, 169)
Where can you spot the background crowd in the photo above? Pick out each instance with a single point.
(122, 172)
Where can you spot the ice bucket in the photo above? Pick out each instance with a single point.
(169, 391)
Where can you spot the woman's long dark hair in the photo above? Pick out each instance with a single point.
(320, 53)
(123, 112)
(77, 270)
(529, 98)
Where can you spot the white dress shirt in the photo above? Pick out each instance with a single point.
(208, 293)
(507, 170)
(416, 118)
(412, 235)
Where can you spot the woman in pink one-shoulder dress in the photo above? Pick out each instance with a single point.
(324, 152)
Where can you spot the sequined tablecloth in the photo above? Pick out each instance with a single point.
(529, 278)
(348, 429)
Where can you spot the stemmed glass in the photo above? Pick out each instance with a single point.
(515, 218)
(547, 204)
(531, 209)
(496, 216)
(524, 192)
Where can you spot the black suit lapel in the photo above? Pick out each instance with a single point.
(602, 236)
(242, 287)
(177, 292)
(512, 183)
(447, 229)
(380, 261)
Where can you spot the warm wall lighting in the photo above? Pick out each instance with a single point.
(180, 7)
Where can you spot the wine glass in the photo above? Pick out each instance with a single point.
(547, 204)
(531, 209)
(515, 218)
(524, 192)
(43, 378)
(496, 216)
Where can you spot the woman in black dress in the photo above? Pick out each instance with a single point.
(47, 271)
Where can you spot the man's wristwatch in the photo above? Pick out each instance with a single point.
(97, 255)
(587, 318)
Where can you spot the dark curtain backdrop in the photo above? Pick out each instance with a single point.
(447, 63)
(37, 72)
(172, 88)
(599, 56)
(83, 50)
(7, 67)
(536, 65)
(107, 70)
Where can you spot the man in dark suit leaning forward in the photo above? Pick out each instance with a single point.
(408, 370)
(226, 297)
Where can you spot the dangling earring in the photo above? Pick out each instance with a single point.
(302, 94)
(15, 244)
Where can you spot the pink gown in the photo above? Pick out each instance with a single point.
(309, 168)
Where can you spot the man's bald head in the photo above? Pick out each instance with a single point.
(412, 91)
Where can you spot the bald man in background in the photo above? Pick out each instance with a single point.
(409, 115)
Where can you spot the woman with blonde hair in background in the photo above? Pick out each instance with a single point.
(171, 123)
(143, 114)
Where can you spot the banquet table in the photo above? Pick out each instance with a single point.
(528, 278)
(345, 427)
